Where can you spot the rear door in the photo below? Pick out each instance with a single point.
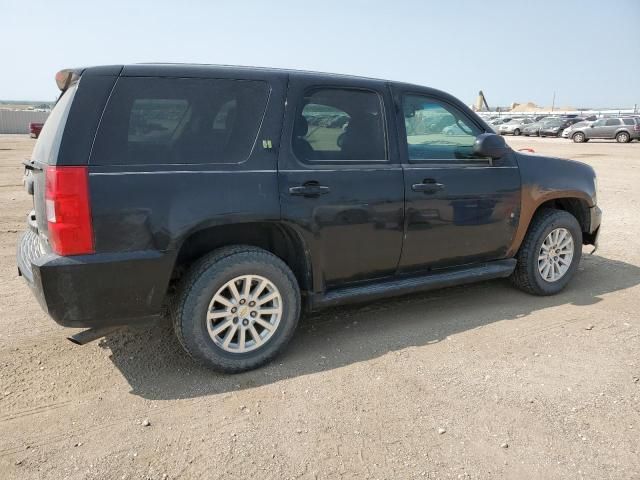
(341, 185)
(611, 127)
(45, 153)
(460, 208)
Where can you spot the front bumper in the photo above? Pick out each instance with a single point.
(95, 290)
(593, 235)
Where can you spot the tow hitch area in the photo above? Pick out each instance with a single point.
(86, 336)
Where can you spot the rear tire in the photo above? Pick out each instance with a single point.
(623, 137)
(516, 132)
(554, 238)
(578, 137)
(213, 294)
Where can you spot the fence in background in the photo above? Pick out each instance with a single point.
(17, 121)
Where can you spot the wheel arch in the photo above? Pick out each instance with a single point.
(275, 237)
(623, 130)
(576, 204)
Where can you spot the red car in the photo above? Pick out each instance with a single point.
(34, 129)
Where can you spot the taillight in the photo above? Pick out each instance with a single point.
(68, 210)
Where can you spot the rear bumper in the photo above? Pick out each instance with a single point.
(95, 290)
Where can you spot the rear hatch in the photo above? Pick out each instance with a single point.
(45, 153)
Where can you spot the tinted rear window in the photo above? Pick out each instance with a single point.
(628, 121)
(180, 121)
(48, 144)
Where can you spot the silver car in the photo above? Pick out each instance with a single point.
(622, 129)
(566, 133)
(514, 126)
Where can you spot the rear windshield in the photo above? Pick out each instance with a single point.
(180, 121)
(48, 144)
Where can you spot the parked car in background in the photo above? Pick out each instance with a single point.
(453, 130)
(567, 131)
(555, 127)
(622, 129)
(533, 129)
(496, 122)
(514, 126)
(35, 128)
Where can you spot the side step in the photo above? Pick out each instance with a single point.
(412, 284)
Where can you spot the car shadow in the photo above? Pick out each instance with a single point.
(155, 366)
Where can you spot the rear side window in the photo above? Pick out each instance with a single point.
(340, 125)
(612, 122)
(180, 121)
(629, 121)
(48, 144)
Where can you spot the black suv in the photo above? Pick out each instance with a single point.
(240, 197)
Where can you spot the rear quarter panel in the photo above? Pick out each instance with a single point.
(156, 207)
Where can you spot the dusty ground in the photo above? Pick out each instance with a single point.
(363, 391)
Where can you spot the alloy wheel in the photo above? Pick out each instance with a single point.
(622, 137)
(244, 313)
(555, 255)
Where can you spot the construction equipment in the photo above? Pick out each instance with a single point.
(481, 103)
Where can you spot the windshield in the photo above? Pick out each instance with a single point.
(46, 149)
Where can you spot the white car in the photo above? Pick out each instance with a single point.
(514, 126)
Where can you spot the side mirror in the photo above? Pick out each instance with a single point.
(490, 145)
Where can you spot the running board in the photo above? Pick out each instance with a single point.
(412, 284)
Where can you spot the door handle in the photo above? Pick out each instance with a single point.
(309, 189)
(428, 185)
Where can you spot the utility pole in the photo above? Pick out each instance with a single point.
(553, 102)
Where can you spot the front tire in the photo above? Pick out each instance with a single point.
(550, 253)
(516, 132)
(578, 137)
(236, 309)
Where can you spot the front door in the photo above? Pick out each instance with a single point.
(460, 209)
(341, 186)
(598, 129)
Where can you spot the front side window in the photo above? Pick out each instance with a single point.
(436, 131)
(340, 125)
(599, 123)
(180, 121)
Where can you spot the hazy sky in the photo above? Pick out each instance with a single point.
(584, 50)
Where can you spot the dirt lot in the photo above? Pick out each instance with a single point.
(474, 382)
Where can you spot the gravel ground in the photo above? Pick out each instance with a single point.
(476, 382)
